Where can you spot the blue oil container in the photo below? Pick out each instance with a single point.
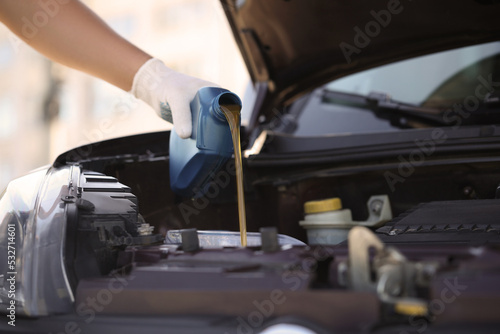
(195, 160)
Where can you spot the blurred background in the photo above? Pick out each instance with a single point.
(46, 108)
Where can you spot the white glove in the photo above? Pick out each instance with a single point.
(168, 92)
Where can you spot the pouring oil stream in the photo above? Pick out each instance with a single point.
(232, 113)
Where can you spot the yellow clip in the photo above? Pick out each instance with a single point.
(412, 309)
(325, 205)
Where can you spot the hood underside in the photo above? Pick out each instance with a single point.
(293, 46)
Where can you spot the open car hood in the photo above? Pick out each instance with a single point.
(291, 47)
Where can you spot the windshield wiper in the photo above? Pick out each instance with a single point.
(381, 104)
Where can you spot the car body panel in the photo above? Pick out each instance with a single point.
(33, 209)
(295, 46)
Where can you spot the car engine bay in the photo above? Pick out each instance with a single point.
(436, 261)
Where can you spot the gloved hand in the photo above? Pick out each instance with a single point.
(168, 92)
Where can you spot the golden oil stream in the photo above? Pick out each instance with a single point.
(232, 113)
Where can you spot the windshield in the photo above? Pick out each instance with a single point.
(392, 97)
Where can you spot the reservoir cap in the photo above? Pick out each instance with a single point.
(325, 205)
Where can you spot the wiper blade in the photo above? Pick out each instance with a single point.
(384, 107)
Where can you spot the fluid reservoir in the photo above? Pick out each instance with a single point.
(327, 223)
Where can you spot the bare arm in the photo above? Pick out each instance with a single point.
(71, 34)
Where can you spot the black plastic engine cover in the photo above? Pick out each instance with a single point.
(474, 222)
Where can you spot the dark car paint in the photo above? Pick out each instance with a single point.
(292, 47)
